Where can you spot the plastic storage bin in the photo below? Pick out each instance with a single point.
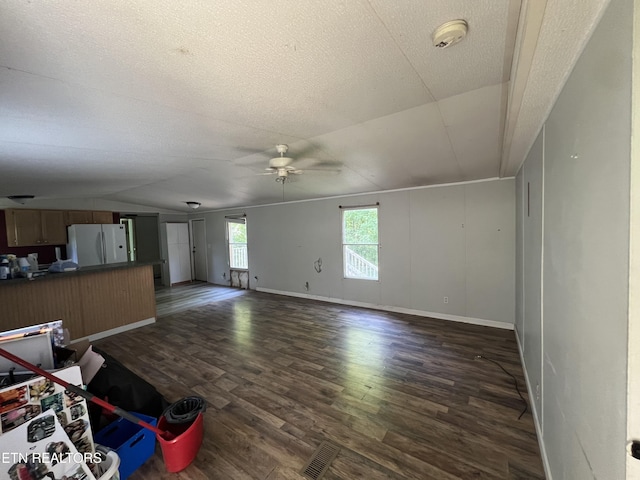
(109, 466)
(133, 443)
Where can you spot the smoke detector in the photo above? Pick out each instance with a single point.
(449, 33)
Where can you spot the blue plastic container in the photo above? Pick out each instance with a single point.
(133, 443)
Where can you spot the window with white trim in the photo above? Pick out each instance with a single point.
(360, 244)
(237, 237)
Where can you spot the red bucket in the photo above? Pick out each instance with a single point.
(179, 452)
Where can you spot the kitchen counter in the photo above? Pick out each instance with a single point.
(92, 301)
(79, 271)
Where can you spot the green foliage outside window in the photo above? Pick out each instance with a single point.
(361, 226)
(238, 245)
(360, 237)
(237, 233)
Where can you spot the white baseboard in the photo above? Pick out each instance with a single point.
(534, 412)
(388, 308)
(115, 331)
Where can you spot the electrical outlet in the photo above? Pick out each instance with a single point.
(446, 299)
(537, 391)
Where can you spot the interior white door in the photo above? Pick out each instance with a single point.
(174, 263)
(178, 252)
(199, 250)
(185, 261)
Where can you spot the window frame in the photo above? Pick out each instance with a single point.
(241, 221)
(343, 211)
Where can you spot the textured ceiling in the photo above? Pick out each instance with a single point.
(161, 102)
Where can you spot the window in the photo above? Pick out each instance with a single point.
(360, 242)
(237, 234)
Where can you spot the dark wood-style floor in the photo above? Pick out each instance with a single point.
(403, 396)
(184, 297)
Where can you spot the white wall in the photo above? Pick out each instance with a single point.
(633, 359)
(579, 171)
(520, 193)
(456, 241)
(530, 334)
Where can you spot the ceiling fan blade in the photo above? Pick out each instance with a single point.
(326, 164)
(317, 163)
(306, 149)
(250, 150)
(253, 159)
(323, 171)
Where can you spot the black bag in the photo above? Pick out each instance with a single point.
(119, 386)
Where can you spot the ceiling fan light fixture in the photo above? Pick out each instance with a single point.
(193, 205)
(283, 174)
(280, 162)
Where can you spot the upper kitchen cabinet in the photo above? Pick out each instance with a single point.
(54, 230)
(76, 217)
(27, 228)
(24, 227)
(102, 217)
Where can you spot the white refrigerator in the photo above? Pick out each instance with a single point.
(94, 244)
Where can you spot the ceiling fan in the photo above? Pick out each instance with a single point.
(281, 166)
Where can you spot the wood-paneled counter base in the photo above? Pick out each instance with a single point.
(89, 301)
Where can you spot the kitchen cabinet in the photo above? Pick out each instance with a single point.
(54, 230)
(102, 217)
(77, 217)
(27, 228)
(23, 227)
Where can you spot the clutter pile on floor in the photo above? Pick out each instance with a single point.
(74, 412)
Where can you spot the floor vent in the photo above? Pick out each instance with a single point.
(320, 461)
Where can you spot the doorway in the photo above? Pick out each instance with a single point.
(144, 240)
(199, 250)
(129, 230)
